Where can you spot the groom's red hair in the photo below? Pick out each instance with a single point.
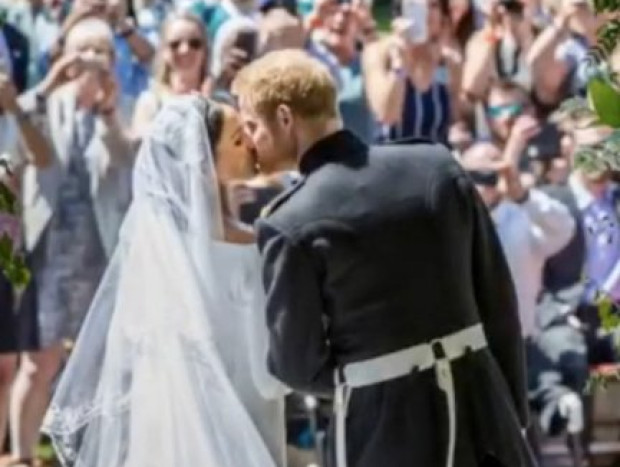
(288, 77)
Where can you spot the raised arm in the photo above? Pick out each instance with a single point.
(38, 149)
(385, 74)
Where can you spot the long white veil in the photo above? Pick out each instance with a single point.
(145, 385)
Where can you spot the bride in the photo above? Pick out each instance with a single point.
(169, 368)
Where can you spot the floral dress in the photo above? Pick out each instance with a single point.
(70, 260)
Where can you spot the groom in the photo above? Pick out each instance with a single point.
(386, 285)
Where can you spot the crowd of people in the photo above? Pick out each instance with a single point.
(82, 80)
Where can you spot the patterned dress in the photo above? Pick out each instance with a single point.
(70, 259)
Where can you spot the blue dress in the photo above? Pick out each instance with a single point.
(425, 114)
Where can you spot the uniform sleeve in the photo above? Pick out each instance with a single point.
(298, 347)
(497, 302)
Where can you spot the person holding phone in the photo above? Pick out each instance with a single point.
(498, 51)
(557, 55)
(412, 79)
(72, 210)
(338, 47)
(234, 46)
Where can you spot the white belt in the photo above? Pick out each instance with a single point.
(437, 353)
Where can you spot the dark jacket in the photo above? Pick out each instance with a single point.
(19, 50)
(565, 269)
(378, 250)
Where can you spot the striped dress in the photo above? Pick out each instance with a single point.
(425, 114)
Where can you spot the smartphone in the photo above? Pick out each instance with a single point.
(546, 145)
(247, 41)
(417, 12)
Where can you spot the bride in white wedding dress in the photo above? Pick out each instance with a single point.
(169, 369)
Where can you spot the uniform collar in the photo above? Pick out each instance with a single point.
(337, 146)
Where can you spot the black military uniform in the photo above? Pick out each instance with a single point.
(387, 287)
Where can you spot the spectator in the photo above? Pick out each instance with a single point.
(133, 52)
(598, 200)
(531, 226)
(511, 121)
(558, 369)
(14, 58)
(557, 55)
(11, 120)
(462, 21)
(72, 209)
(411, 88)
(231, 50)
(338, 49)
(181, 67)
(280, 30)
(498, 51)
(39, 21)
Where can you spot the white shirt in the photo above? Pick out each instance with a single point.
(9, 136)
(530, 233)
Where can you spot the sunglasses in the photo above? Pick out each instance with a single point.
(485, 178)
(194, 44)
(505, 111)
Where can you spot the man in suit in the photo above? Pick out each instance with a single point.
(386, 285)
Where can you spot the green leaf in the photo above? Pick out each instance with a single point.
(605, 101)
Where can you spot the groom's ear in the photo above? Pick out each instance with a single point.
(284, 115)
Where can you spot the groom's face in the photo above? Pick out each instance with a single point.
(272, 138)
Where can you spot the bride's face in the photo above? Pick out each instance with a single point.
(234, 159)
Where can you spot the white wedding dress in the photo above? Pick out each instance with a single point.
(169, 369)
(245, 361)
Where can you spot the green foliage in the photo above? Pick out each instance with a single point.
(601, 379)
(11, 263)
(609, 314)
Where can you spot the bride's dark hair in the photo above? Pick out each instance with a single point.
(214, 116)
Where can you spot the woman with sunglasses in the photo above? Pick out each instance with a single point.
(181, 67)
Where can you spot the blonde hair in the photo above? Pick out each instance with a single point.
(92, 28)
(288, 77)
(161, 75)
